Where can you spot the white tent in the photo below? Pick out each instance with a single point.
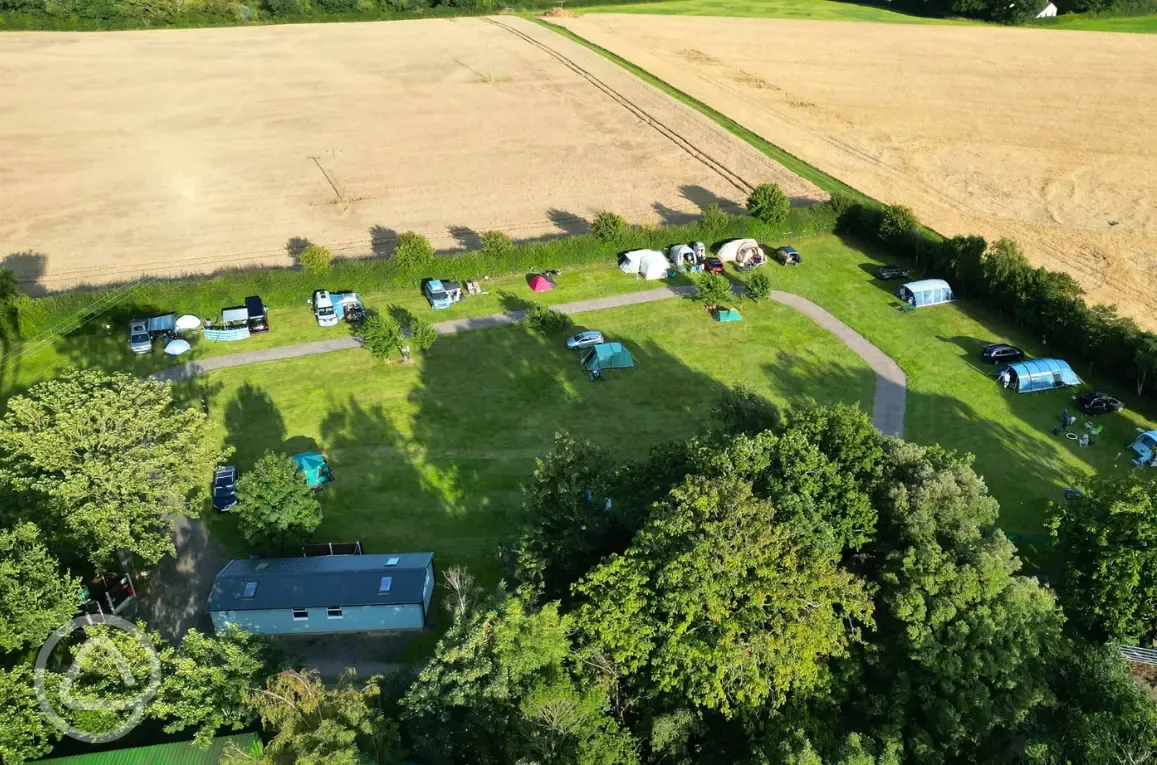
(187, 322)
(650, 264)
(177, 347)
(681, 254)
(741, 251)
(1047, 12)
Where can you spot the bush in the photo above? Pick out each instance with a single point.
(609, 227)
(769, 204)
(380, 335)
(337, 6)
(496, 244)
(413, 251)
(712, 289)
(315, 259)
(758, 286)
(546, 321)
(285, 7)
(276, 509)
(897, 224)
(711, 218)
(422, 334)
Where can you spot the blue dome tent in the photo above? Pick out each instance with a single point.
(926, 292)
(1038, 374)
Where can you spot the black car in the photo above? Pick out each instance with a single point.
(1099, 402)
(788, 256)
(225, 488)
(1000, 353)
(887, 273)
(258, 316)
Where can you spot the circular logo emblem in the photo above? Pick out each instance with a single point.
(135, 705)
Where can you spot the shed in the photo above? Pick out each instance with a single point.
(650, 264)
(539, 283)
(1037, 375)
(1145, 447)
(741, 251)
(607, 356)
(332, 593)
(727, 314)
(179, 753)
(926, 292)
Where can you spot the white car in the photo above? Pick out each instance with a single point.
(322, 305)
(584, 339)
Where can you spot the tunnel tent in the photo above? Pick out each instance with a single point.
(926, 292)
(1038, 375)
(606, 356)
(742, 251)
(650, 264)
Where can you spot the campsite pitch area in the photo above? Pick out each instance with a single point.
(184, 151)
(1026, 133)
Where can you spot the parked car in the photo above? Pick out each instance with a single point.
(1099, 402)
(788, 256)
(1000, 353)
(887, 273)
(584, 339)
(225, 489)
(715, 265)
(142, 331)
(258, 315)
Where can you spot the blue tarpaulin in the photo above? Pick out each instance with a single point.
(1038, 374)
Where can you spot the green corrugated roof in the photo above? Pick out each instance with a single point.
(181, 753)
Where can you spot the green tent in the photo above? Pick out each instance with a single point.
(727, 314)
(315, 469)
(607, 356)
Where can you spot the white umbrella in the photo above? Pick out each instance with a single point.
(177, 347)
(187, 322)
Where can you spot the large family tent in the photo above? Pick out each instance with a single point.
(607, 356)
(1145, 447)
(926, 292)
(650, 264)
(742, 251)
(1038, 374)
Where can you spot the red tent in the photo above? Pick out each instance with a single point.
(540, 283)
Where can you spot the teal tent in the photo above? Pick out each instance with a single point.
(727, 314)
(607, 356)
(315, 469)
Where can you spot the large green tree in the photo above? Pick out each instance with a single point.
(1107, 539)
(102, 461)
(207, 680)
(503, 687)
(276, 509)
(962, 644)
(312, 724)
(719, 604)
(36, 596)
(25, 733)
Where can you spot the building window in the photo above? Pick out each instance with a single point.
(333, 612)
(385, 585)
(250, 590)
(392, 561)
(300, 614)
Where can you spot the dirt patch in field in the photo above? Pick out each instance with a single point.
(177, 151)
(1048, 137)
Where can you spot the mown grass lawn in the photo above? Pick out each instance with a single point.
(431, 455)
(1082, 23)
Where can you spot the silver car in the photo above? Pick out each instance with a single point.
(584, 339)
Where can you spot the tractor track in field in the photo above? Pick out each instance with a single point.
(715, 165)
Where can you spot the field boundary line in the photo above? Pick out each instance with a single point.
(729, 175)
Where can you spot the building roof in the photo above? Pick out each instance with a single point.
(181, 753)
(927, 284)
(330, 580)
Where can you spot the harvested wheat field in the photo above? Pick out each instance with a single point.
(1046, 137)
(167, 152)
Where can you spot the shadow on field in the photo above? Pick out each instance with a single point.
(568, 223)
(794, 376)
(467, 238)
(383, 241)
(669, 216)
(701, 198)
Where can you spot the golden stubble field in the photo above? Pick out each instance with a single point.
(163, 152)
(1048, 137)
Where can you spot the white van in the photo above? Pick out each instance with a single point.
(323, 309)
